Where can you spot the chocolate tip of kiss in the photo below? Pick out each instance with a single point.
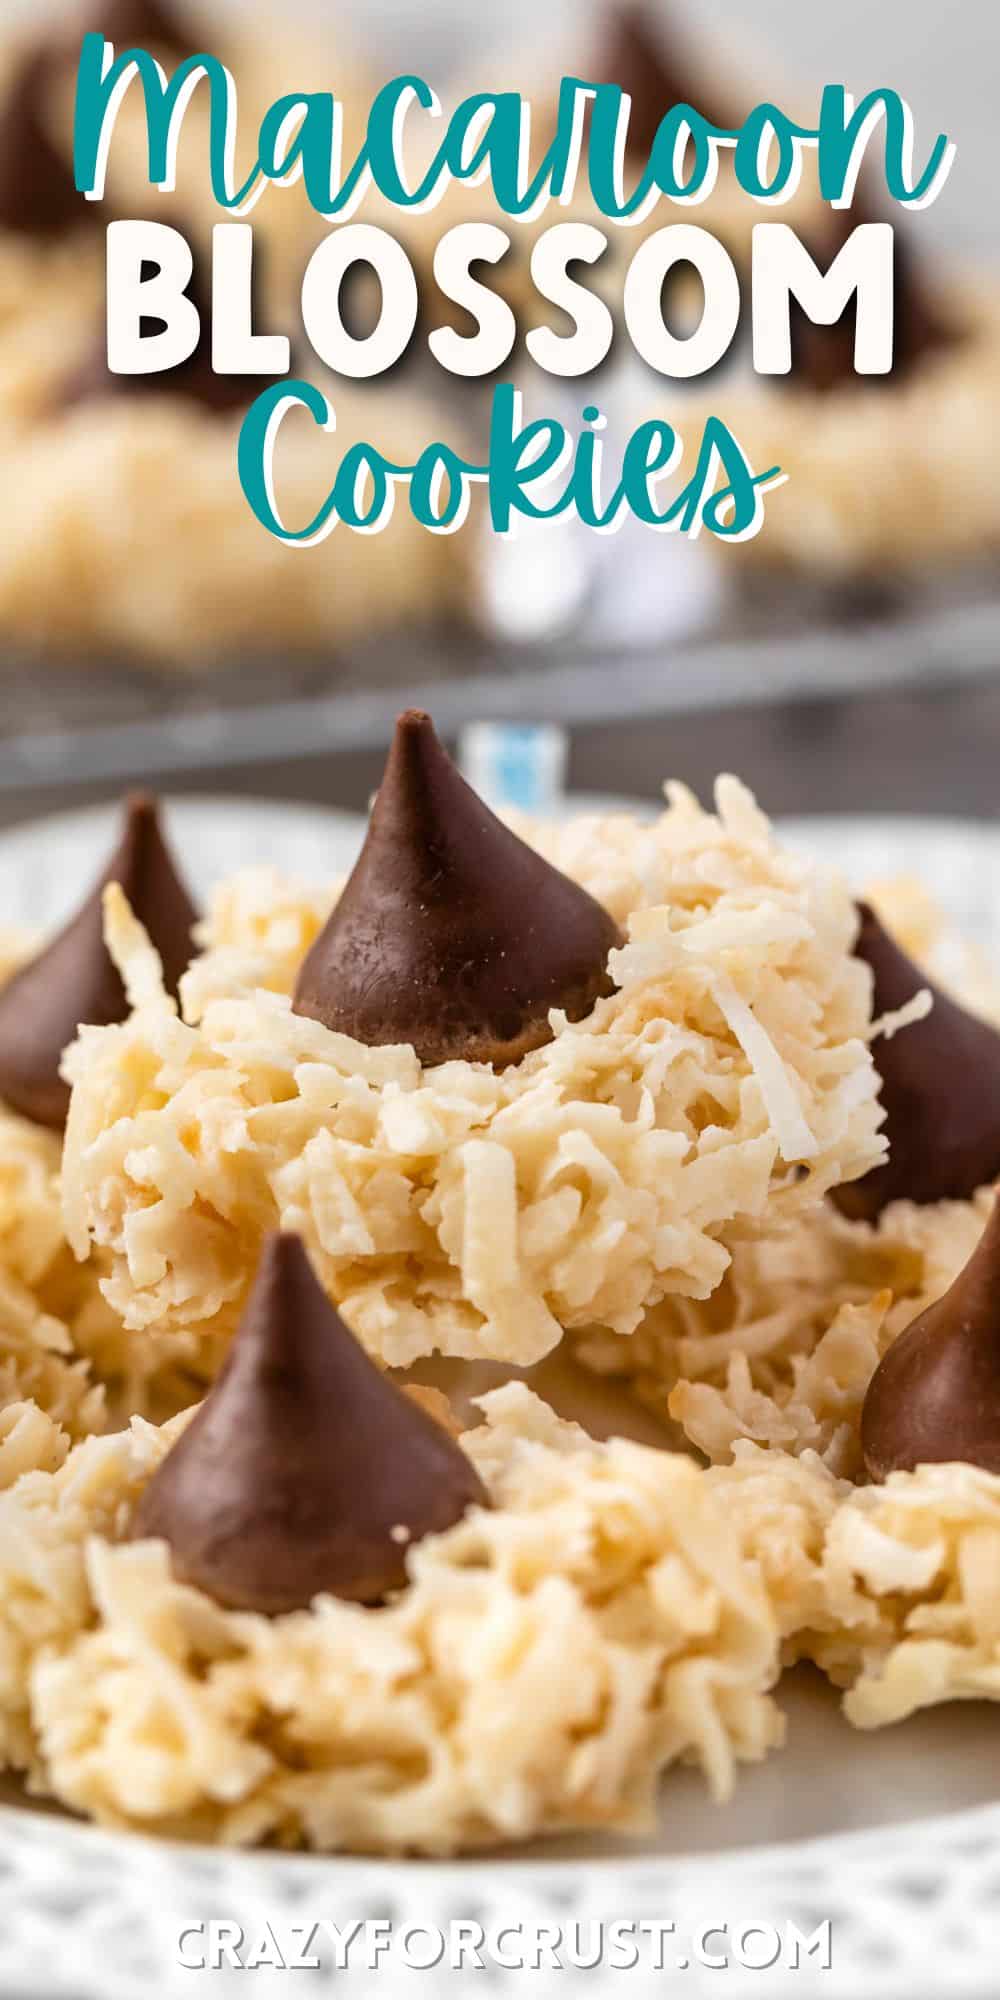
(306, 1472)
(651, 60)
(452, 934)
(73, 981)
(132, 23)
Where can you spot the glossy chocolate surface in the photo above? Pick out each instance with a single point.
(74, 981)
(452, 934)
(935, 1396)
(940, 1089)
(306, 1471)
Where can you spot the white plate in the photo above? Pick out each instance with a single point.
(895, 1837)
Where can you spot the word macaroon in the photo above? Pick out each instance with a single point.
(488, 137)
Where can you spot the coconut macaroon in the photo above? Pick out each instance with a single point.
(891, 1590)
(784, 1350)
(51, 255)
(910, 1579)
(62, 1348)
(60, 1343)
(926, 494)
(652, 57)
(547, 1660)
(449, 1719)
(473, 1210)
(48, 1302)
(129, 529)
(63, 1351)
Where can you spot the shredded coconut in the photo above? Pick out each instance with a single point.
(30, 1441)
(782, 1508)
(45, 1298)
(912, 1579)
(615, 1610)
(724, 209)
(894, 1590)
(60, 1342)
(40, 338)
(476, 1213)
(785, 1349)
(783, 1352)
(954, 961)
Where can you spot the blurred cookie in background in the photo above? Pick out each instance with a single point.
(123, 526)
(659, 60)
(268, 57)
(129, 529)
(887, 475)
(51, 241)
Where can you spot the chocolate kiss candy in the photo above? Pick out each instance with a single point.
(451, 934)
(136, 24)
(935, 1396)
(655, 75)
(940, 1089)
(194, 379)
(74, 979)
(823, 356)
(37, 193)
(306, 1470)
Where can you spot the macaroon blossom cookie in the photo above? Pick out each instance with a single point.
(123, 525)
(471, 1206)
(885, 476)
(545, 1661)
(784, 1351)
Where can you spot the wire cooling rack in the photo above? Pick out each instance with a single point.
(78, 724)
